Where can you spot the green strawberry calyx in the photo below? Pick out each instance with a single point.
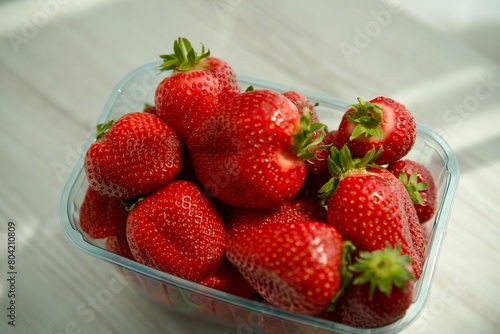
(382, 269)
(130, 204)
(102, 129)
(340, 163)
(308, 137)
(368, 117)
(184, 58)
(413, 186)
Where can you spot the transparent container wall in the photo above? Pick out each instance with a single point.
(138, 88)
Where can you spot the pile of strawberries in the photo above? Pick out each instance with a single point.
(247, 192)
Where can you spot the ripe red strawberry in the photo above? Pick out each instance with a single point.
(296, 266)
(382, 122)
(370, 207)
(177, 230)
(195, 89)
(228, 278)
(318, 164)
(303, 104)
(297, 209)
(380, 293)
(102, 216)
(118, 244)
(420, 184)
(132, 156)
(250, 154)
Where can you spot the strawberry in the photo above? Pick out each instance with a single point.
(118, 244)
(303, 104)
(317, 163)
(382, 122)
(370, 207)
(186, 172)
(176, 229)
(380, 293)
(420, 184)
(150, 109)
(295, 266)
(195, 89)
(251, 153)
(303, 209)
(132, 156)
(228, 278)
(102, 216)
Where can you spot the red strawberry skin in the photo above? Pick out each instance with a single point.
(228, 278)
(293, 266)
(185, 99)
(355, 308)
(118, 244)
(372, 208)
(102, 216)
(177, 230)
(302, 103)
(228, 82)
(244, 154)
(138, 154)
(426, 210)
(297, 209)
(399, 132)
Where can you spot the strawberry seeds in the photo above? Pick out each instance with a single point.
(247, 192)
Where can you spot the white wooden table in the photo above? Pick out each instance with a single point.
(59, 60)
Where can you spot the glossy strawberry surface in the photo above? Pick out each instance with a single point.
(394, 129)
(293, 266)
(194, 89)
(425, 201)
(178, 230)
(244, 154)
(297, 209)
(228, 278)
(102, 216)
(371, 208)
(138, 154)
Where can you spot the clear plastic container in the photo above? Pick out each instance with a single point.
(136, 89)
